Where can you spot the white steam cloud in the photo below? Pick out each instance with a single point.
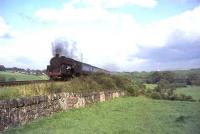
(66, 48)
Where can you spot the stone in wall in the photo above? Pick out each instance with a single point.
(102, 96)
(115, 95)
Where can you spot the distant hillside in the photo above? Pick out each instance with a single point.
(189, 77)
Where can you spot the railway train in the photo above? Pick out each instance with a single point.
(63, 68)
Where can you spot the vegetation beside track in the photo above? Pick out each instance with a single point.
(130, 115)
(94, 82)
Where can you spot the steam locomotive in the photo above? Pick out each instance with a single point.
(63, 68)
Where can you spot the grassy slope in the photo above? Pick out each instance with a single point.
(21, 77)
(137, 115)
(193, 91)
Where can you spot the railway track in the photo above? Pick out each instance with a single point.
(16, 83)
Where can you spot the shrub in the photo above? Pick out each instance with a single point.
(156, 95)
(84, 83)
(2, 79)
(121, 81)
(166, 96)
(177, 85)
(12, 79)
(54, 88)
(105, 80)
(186, 97)
(164, 87)
(173, 97)
(148, 93)
(133, 90)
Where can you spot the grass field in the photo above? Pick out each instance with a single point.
(150, 86)
(21, 77)
(193, 91)
(131, 115)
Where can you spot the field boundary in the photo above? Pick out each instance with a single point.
(15, 112)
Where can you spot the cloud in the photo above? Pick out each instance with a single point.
(103, 37)
(4, 29)
(171, 43)
(157, 34)
(29, 18)
(6, 36)
(115, 41)
(116, 3)
(186, 1)
(23, 60)
(178, 48)
(36, 47)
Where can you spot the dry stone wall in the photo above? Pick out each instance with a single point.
(20, 111)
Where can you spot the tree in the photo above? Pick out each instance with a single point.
(157, 76)
(2, 68)
(164, 86)
(194, 79)
(167, 75)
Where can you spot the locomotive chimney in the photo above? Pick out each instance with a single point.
(58, 52)
(57, 55)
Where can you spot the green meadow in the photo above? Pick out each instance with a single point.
(129, 115)
(21, 77)
(193, 91)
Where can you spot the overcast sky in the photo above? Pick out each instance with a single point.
(119, 35)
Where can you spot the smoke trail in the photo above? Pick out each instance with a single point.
(65, 47)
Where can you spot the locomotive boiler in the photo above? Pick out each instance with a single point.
(64, 68)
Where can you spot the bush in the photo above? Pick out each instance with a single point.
(108, 81)
(2, 68)
(166, 96)
(133, 90)
(105, 80)
(165, 87)
(54, 88)
(84, 83)
(12, 79)
(178, 85)
(121, 81)
(186, 98)
(148, 93)
(156, 95)
(2, 79)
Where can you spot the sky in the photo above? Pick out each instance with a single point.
(117, 35)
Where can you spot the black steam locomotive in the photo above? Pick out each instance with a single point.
(64, 68)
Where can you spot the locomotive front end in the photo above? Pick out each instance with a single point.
(53, 70)
(61, 68)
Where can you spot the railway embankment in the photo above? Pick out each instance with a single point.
(14, 112)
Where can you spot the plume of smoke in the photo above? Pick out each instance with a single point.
(65, 47)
